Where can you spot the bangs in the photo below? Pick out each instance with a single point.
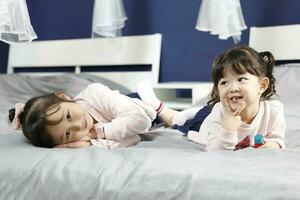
(241, 67)
(54, 109)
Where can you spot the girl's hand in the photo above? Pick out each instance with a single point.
(270, 145)
(83, 142)
(232, 119)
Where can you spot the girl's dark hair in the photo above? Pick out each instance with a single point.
(243, 59)
(34, 119)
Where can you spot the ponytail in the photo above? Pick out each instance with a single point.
(32, 119)
(269, 62)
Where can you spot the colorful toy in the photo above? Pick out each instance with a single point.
(258, 140)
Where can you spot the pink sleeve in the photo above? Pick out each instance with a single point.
(221, 139)
(99, 130)
(278, 128)
(217, 138)
(112, 144)
(125, 118)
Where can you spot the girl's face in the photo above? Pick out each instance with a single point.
(75, 123)
(242, 90)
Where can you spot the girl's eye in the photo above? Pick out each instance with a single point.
(68, 116)
(68, 134)
(223, 82)
(242, 79)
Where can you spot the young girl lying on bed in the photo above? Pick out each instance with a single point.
(240, 104)
(97, 116)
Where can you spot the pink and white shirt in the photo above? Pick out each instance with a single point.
(269, 122)
(120, 118)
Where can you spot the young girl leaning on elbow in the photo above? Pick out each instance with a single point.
(240, 105)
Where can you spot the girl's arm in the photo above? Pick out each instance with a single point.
(220, 138)
(222, 135)
(111, 144)
(212, 133)
(83, 142)
(275, 137)
(125, 117)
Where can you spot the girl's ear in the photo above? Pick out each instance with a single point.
(62, 95)
(264, 84)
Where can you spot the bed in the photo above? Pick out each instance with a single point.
(164, 165)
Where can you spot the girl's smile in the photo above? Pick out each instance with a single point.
(235, 99)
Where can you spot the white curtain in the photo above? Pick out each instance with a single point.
(108, 18)
(221, 17)
(15, 23)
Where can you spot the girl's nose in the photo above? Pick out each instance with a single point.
(233, 87)
(76, 126)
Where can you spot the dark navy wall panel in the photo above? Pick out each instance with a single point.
(61, 19)
(3, 57)
(187, 54)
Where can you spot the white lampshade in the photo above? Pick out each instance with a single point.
(108, 18)
(221, 17)
(15, 23)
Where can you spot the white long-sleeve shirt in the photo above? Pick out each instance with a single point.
(121, 117)
(269, 122)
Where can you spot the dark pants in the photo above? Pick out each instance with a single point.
(195, 123)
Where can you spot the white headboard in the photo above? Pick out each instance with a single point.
(282, 41)
(127, 50)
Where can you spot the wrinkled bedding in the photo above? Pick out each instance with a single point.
(165, 165)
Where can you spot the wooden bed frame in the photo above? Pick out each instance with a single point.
(129, 50)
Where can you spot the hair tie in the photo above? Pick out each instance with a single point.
(19, 108)
(265, 58)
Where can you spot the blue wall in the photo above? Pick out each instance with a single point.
(187, 54)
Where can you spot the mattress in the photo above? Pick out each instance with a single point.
(164, 165)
